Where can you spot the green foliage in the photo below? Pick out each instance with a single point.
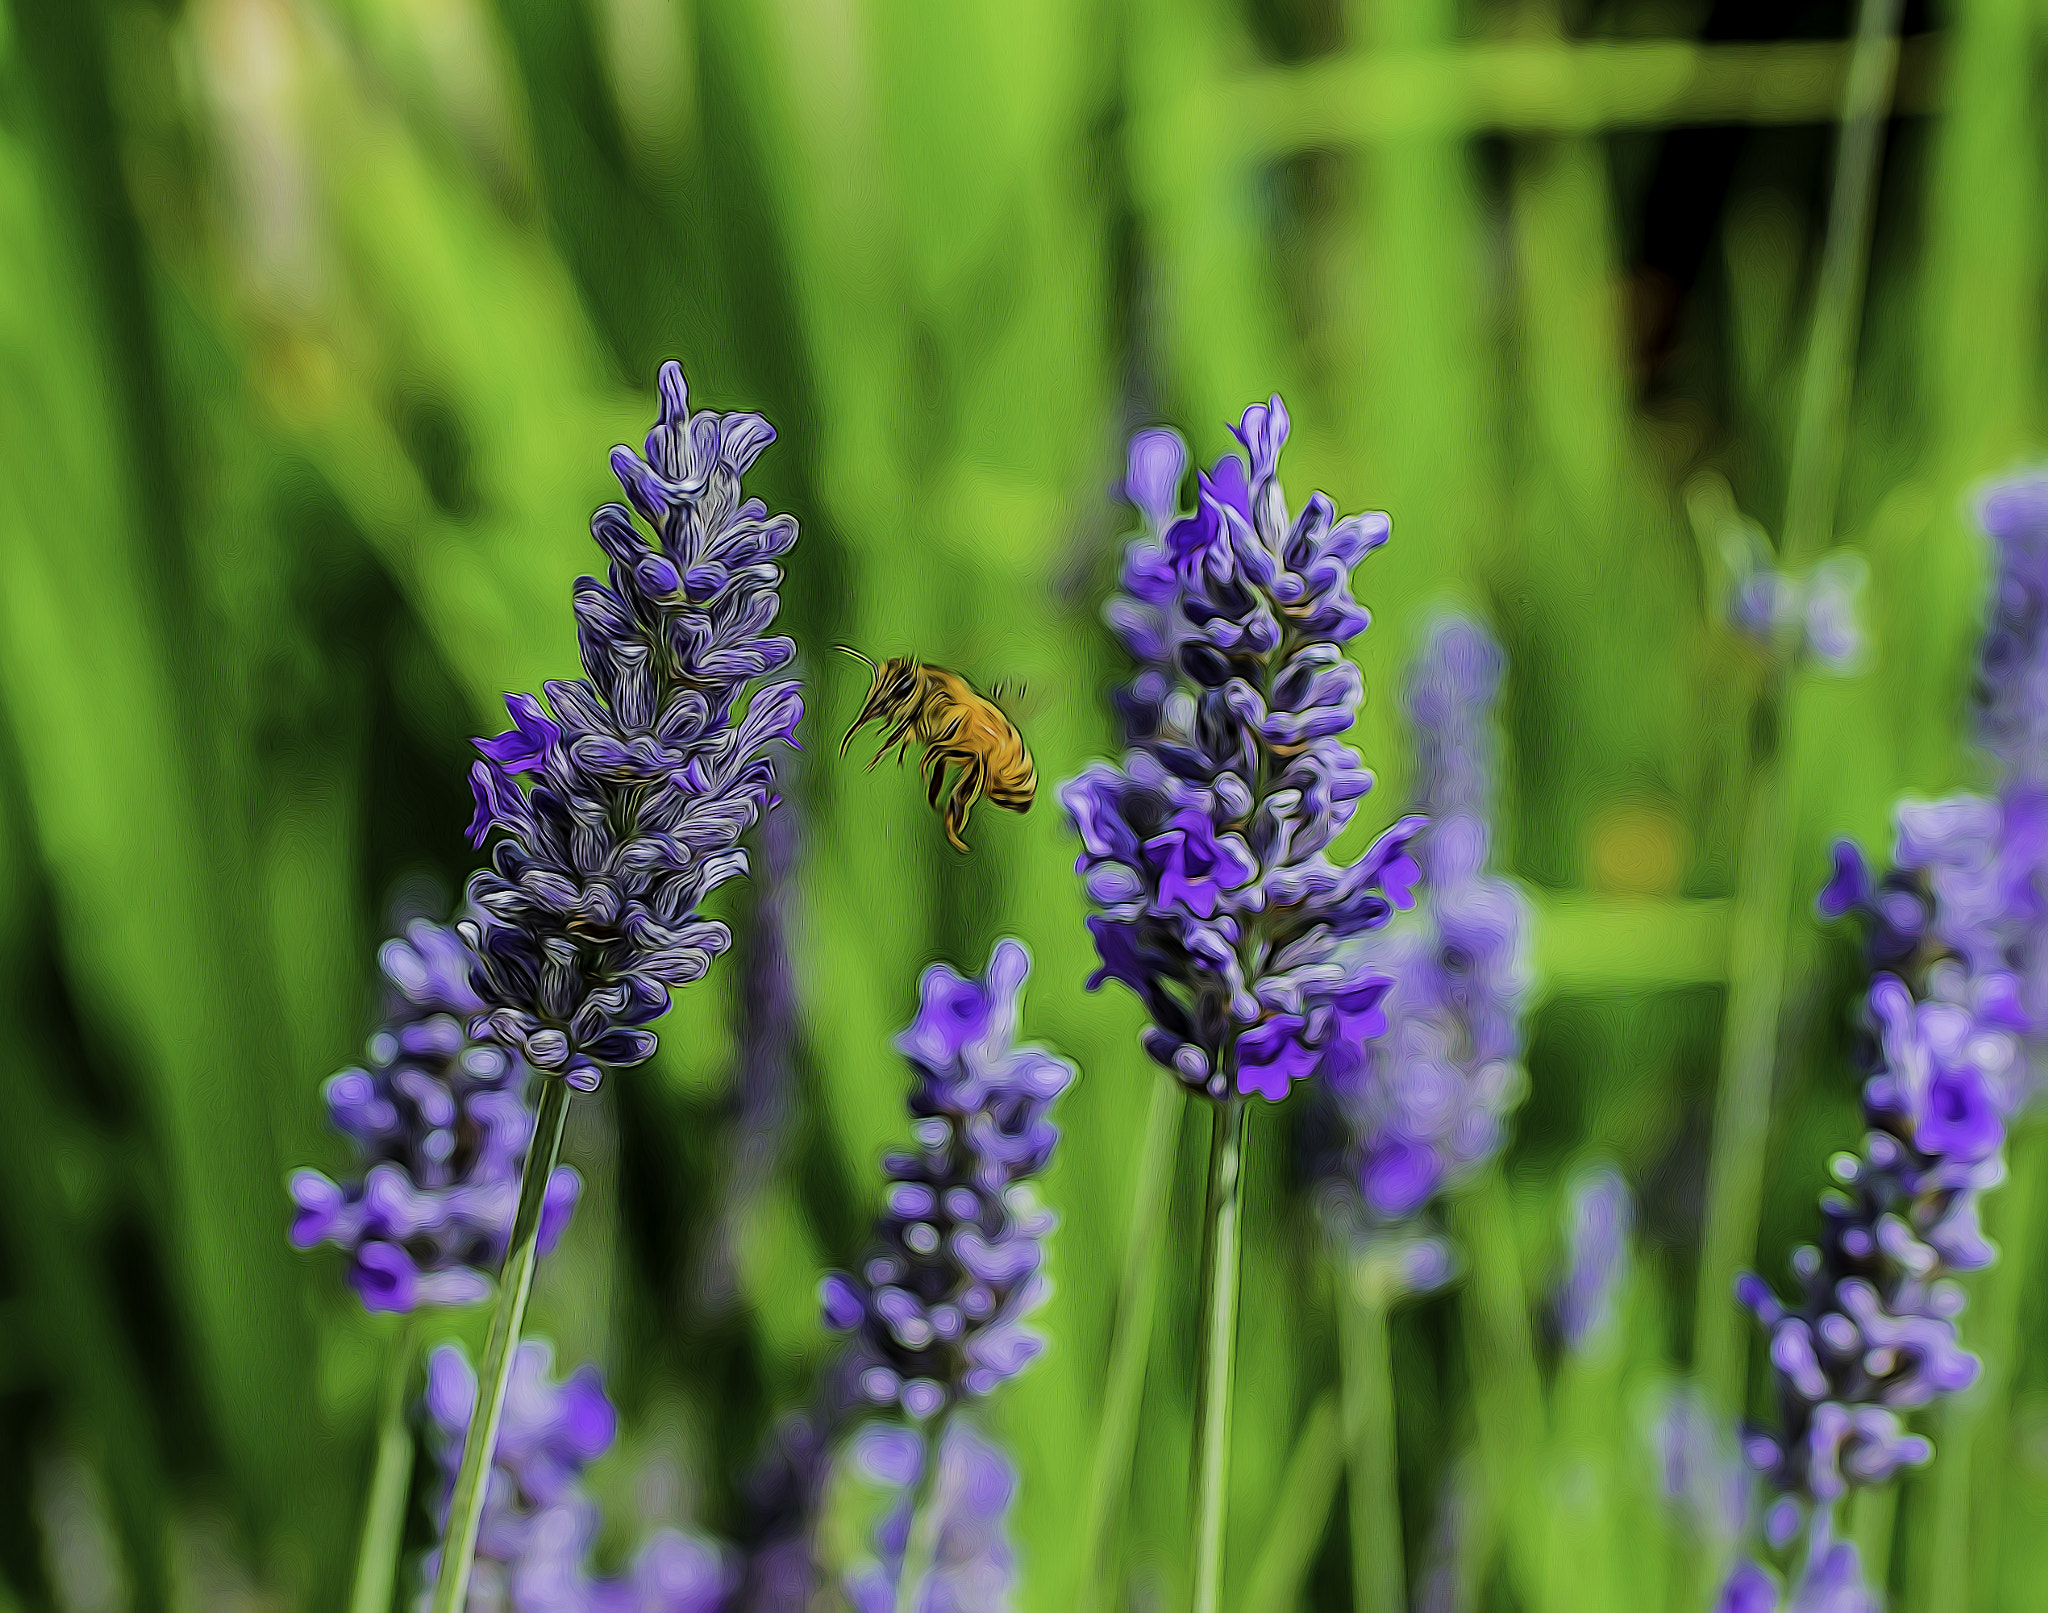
(316, 319)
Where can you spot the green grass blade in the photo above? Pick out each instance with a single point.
(390, 1483)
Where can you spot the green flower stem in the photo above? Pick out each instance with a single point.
(1131, 1346)
(1377, 1580)
(390, 1483)
(921, 1549)
(1222, 1249)
(515, 1283)
(1966, 1519)
(1758, 937)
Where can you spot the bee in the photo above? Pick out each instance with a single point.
(959, 727)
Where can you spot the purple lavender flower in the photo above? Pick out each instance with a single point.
(1873, 1335)
(974, 1565)
(2013, 664)
(644, 773)
(937, 1315)
(538, 1523)
(1207, 848)
(1600, 1219)
(1815, 615)
(1423, 1107)
(441, 1125)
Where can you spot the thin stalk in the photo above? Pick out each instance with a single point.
(1222, 1244)
(921, 1548)
(1758, 935)
(515, 1283)
(1377, 1578)
(1966, 1527)
(1131, 1346)
(390, 1483)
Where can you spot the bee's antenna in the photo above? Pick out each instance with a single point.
(848, 649)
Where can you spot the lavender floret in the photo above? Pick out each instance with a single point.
(974, 1567)
(937, 1314)
(643, 774)
(1206, 849)
(441, 1125)
(1600, 1219)
(1424, 1107)
(538, 1523)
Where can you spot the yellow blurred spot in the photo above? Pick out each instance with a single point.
(1636, 850)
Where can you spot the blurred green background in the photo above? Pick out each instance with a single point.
(317, 318)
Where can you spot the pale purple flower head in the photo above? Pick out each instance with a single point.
(441, 1126)
(1205, 850)
(1599, 1221)
(1817, 613)
(974, 1568)
(938, 1312)
(2013, 664)
(1423, 1106)
(539, 1524)
(640, 776)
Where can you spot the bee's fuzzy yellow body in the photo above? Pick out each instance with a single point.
(959, 727)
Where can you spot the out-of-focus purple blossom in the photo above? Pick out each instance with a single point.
(2013, 664)
(765, 1080)
(973, 1564)
(1206, 850)
(1830, 1581)
(642, 775)
(1599, 1221)
(538, 1523)
(1817, 613)
(937, 1313)
(1424, 1106)
(1703, 1475)
(441, 1125)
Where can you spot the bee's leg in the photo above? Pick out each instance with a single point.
(934, 764)
(966, 791)
(896, 733)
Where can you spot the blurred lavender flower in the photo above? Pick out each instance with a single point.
(1830, 1581)
(938, 1314)
(974, 1565)
(644, 773)
(1600, 1219)
(2013, 664)
(1424, 1107)
(1818, 612)
(1206, 849)
(442, 1125)
(538, 1523)
(1702, 1473)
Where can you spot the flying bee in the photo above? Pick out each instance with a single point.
(959, 727)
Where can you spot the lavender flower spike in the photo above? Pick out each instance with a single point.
(1425, 1106)
(642, 774)
(442, 1126)
(937, 1315)
(538, 1523)
(1206, 848)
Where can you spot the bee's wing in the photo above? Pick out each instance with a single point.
(1016, 699)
